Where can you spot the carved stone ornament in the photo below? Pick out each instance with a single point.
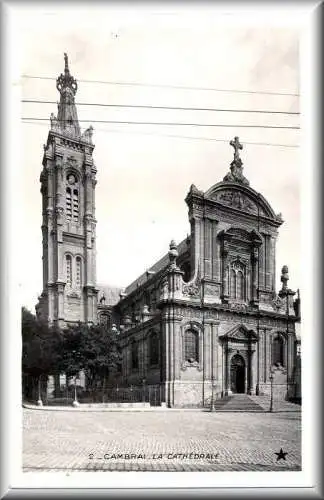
(71, 179)
(59, 211)
(164, 288)
(66, 80)
(238, 306)
(71, 161)
(74, 295)
(190, 363)
(236, 174)
(237, 264)
(191, 290)
(236, 199)
(87, 135)
(278, 303)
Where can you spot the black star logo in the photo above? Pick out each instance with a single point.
(281, 455)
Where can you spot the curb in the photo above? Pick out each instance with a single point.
(157, 409)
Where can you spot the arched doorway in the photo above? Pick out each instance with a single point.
(237, 374)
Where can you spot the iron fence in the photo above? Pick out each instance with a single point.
(152, 394)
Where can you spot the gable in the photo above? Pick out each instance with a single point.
(240, 333)
(241, 197)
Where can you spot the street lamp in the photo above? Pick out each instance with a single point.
(144, 380)
(271, 391)
(75, 402)
(212, 402)
(39, 401)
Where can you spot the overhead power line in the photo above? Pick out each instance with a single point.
(167, 124)
(176, 136)
(180, 108)
(180, 87)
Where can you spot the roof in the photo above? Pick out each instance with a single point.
(111, 294)
(156, 268)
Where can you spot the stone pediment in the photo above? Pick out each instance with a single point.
(236, 199)
(241, 197)
(240, 333)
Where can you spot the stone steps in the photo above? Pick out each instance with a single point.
(239, 403)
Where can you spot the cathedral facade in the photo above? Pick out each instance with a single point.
(206, 320)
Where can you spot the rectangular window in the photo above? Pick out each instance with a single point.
(68, 270)
(191, 346)
(68, 204)
(75, 205)
(78, 277)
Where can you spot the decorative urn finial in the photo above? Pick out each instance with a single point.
(173, 253)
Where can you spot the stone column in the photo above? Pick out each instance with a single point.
(249, 378)
(93, 227)
(227, 370)
(225, 278)
(208, 247)
(197, 245)
(254, 369)
(254, 261)
(177, 348)
(165, 359)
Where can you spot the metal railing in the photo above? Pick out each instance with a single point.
(152, 394)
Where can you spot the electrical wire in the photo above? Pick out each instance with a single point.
(175, 136)
(180, 87)
(180, 108)
(181, 124)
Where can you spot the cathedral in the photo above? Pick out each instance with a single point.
(204, 321)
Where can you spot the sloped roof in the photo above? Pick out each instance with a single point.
(111, 293)
(157, 267)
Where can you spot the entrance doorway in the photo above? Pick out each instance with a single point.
(237, 374)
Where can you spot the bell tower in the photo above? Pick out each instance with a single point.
(68, 181)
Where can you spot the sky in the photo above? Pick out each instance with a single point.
(176, 58)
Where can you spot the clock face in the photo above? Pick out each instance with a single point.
(71, 179)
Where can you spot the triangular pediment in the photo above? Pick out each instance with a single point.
(240, 333)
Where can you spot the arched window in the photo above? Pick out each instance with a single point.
(236, 281)
(75, 205)
(134, 355)
(278, 350)
(233, 284)
(240, 285)
(191, 346)
(186, 269)
(68, 204)
(154, 348)
(68, 270)
(78, 274)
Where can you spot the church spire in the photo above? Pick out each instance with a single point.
(66, 122)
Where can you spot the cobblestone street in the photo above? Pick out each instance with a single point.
(159, 441)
